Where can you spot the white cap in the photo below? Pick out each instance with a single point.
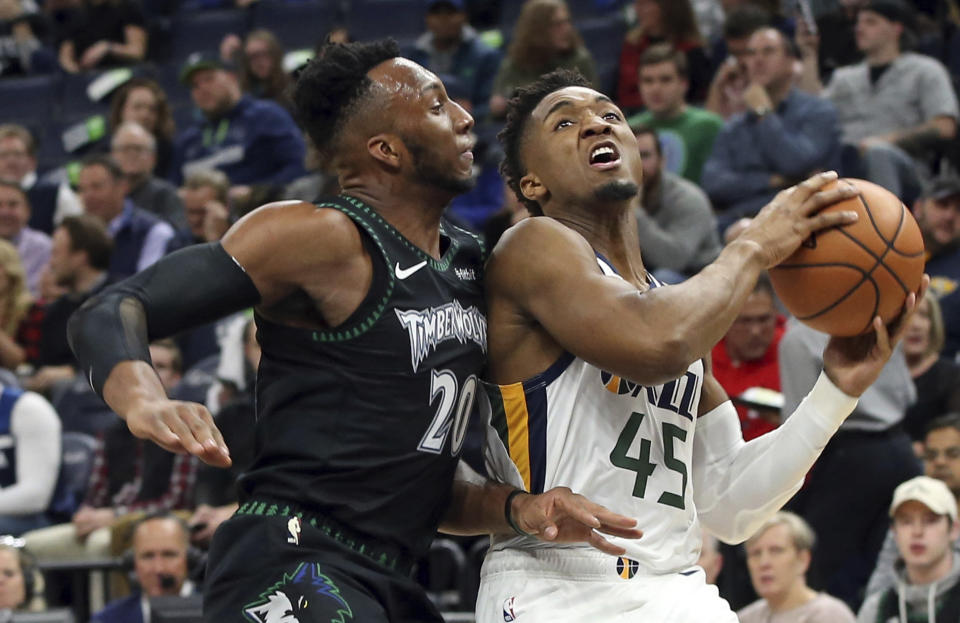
(930, 492)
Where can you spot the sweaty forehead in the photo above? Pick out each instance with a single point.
(401, 76)
(572, 96)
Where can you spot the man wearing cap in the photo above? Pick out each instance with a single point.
(896, 107)
(938, 214)
(451, 46)
(924, 514)
(255, 142)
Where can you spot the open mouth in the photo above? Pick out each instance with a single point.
(604, 155)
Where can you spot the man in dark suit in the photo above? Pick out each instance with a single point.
(160, 543)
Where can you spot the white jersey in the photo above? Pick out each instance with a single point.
(620, 444)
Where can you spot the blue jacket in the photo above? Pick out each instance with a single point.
(255, 143)
(801, 136)
(125, 610)
(474, 64)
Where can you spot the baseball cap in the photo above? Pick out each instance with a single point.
(943, 187)
(930, 492)
(201, 60)
(893, 10)
(435, 4)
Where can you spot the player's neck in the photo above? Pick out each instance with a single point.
(798, 594)
(611, 231)
(412, 211)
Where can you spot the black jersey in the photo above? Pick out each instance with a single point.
(364, 423)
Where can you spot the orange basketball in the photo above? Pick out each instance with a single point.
(841, 277)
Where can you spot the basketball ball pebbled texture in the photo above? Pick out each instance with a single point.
(841, 277)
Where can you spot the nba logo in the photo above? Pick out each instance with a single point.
(508, 615)
(627, 568)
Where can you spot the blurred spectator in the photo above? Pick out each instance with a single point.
(924, 513)
(746, 357)
(29, 460)
(676, 226)
(143, 101)
(451, 46)
(15, 303)
(857, 471)
(898, 108)
(784, 137)
(104, 33)
(778, 557)
(168, 362)
(936, 377)
(938, 214)
(160, 564)
(662, 21)
(941, 460)
(833, 45)
(686, 132)
(509, 215)
(261, 68)
(18, 578)
(236, 132)
(79, 259)
(135, 151)
(49, 203)
(543, 39)
(139, 238)
(33, 246)
(21, 49)
(129, 476)
(204, 196)
(725, 96)
(711, 561)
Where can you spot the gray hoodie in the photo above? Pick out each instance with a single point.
(922, 599)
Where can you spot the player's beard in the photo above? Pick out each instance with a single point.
(616, 191)
(432, 171)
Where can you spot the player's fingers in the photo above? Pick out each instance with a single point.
(806, 188)
(214, 445)
(575, 508)
(597, 541)
(909, 309)
(172, 418)
(881, 335)
(609, 518)
(626, 533)
(831, 219)
(824, 198)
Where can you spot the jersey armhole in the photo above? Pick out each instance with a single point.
(382, 282)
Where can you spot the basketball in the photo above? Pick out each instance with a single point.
(842, 277)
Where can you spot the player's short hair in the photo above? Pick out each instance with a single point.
(87, 233)
(948, 420)
(801, 534)
(331, 87)
(665, 53)
(524, 100)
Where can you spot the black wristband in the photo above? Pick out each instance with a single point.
(509, 515)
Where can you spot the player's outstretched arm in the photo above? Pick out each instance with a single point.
(738, 485)
(550, 273)
(260, 260)
(479, 506)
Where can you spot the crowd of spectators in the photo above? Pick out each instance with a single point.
(156, 147)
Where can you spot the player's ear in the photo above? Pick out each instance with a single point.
(385, 148)
(532, 189)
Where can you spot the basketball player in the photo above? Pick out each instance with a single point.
(372, 328)
(601, 385)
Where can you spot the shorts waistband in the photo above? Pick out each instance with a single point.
(386, 555)
(570, 563)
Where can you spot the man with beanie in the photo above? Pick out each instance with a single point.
(924, 514)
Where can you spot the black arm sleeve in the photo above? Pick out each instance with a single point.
(185, 289)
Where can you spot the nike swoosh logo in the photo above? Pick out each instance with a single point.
(403, 273)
